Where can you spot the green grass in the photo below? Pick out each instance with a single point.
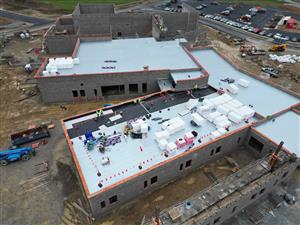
(70, 4)
(257, 2)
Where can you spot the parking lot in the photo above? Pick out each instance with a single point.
(260, 22)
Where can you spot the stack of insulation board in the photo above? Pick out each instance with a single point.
(199, 120)
(244, 83)
(174, 125)
(59, 63)
(233, 89)
(191, 103)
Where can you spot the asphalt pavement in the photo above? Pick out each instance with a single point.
(24, 18)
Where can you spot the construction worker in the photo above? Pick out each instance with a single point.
(137, 101)
(99, 112)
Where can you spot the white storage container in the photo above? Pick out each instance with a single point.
(76, 61)
(226, 97)
(236, 103)
(233, 89)
(244, 83)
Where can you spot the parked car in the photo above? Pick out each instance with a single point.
(263, 33)
(225, 13)
(204, 5)
(214, 3)
(294, 39)
(245, 27)
(167, 9)
(209, 16)
(270, 34)
(287, 38)
(257, 30)
(199, 7)
(230, 8)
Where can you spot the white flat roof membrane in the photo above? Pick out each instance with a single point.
(127, 55)
(186, 75)
(126, 156)
(286, 128)
(265, 99)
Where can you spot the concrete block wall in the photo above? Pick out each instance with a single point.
(96, 8)
(235, 203)
(61, 44)
(59, 88)
(165, 173)
(190, 84)
(65, 23)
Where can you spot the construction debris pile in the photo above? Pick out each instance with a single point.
(285, 58)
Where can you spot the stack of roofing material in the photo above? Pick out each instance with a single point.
(222, 131)
(215, 134)
(212, 116)
(208, 103)
(174, 125)
(171, 147)
(235, 117)
(222, 122)
(161, 135)
(203, 108)
(244, 83)
(199, 120)
(223, 109)
(233, 89)
(247, 111)
(191, 103)
(162, 143)
(60, 63)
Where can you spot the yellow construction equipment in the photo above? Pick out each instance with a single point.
(278, 48)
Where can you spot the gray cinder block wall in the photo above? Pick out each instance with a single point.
(166, 173)
(63, 44)
(60, 88)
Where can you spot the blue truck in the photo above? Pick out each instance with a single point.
(17, 154)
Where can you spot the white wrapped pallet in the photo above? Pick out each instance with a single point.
(199, 120)
(171, 147)
(208, 103)
(226, 97)
(223, 124)
(244, 83)
(162, 143)
(233, 89)
(235, 103)
(161, 135)
(222, 131)
(236, 118)
(223, 109)
(203, 108)
(212, 116)
(215, 134)
(248, 111)
(191, 103)
(220, 118)
(76, 61)
(144, 128)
